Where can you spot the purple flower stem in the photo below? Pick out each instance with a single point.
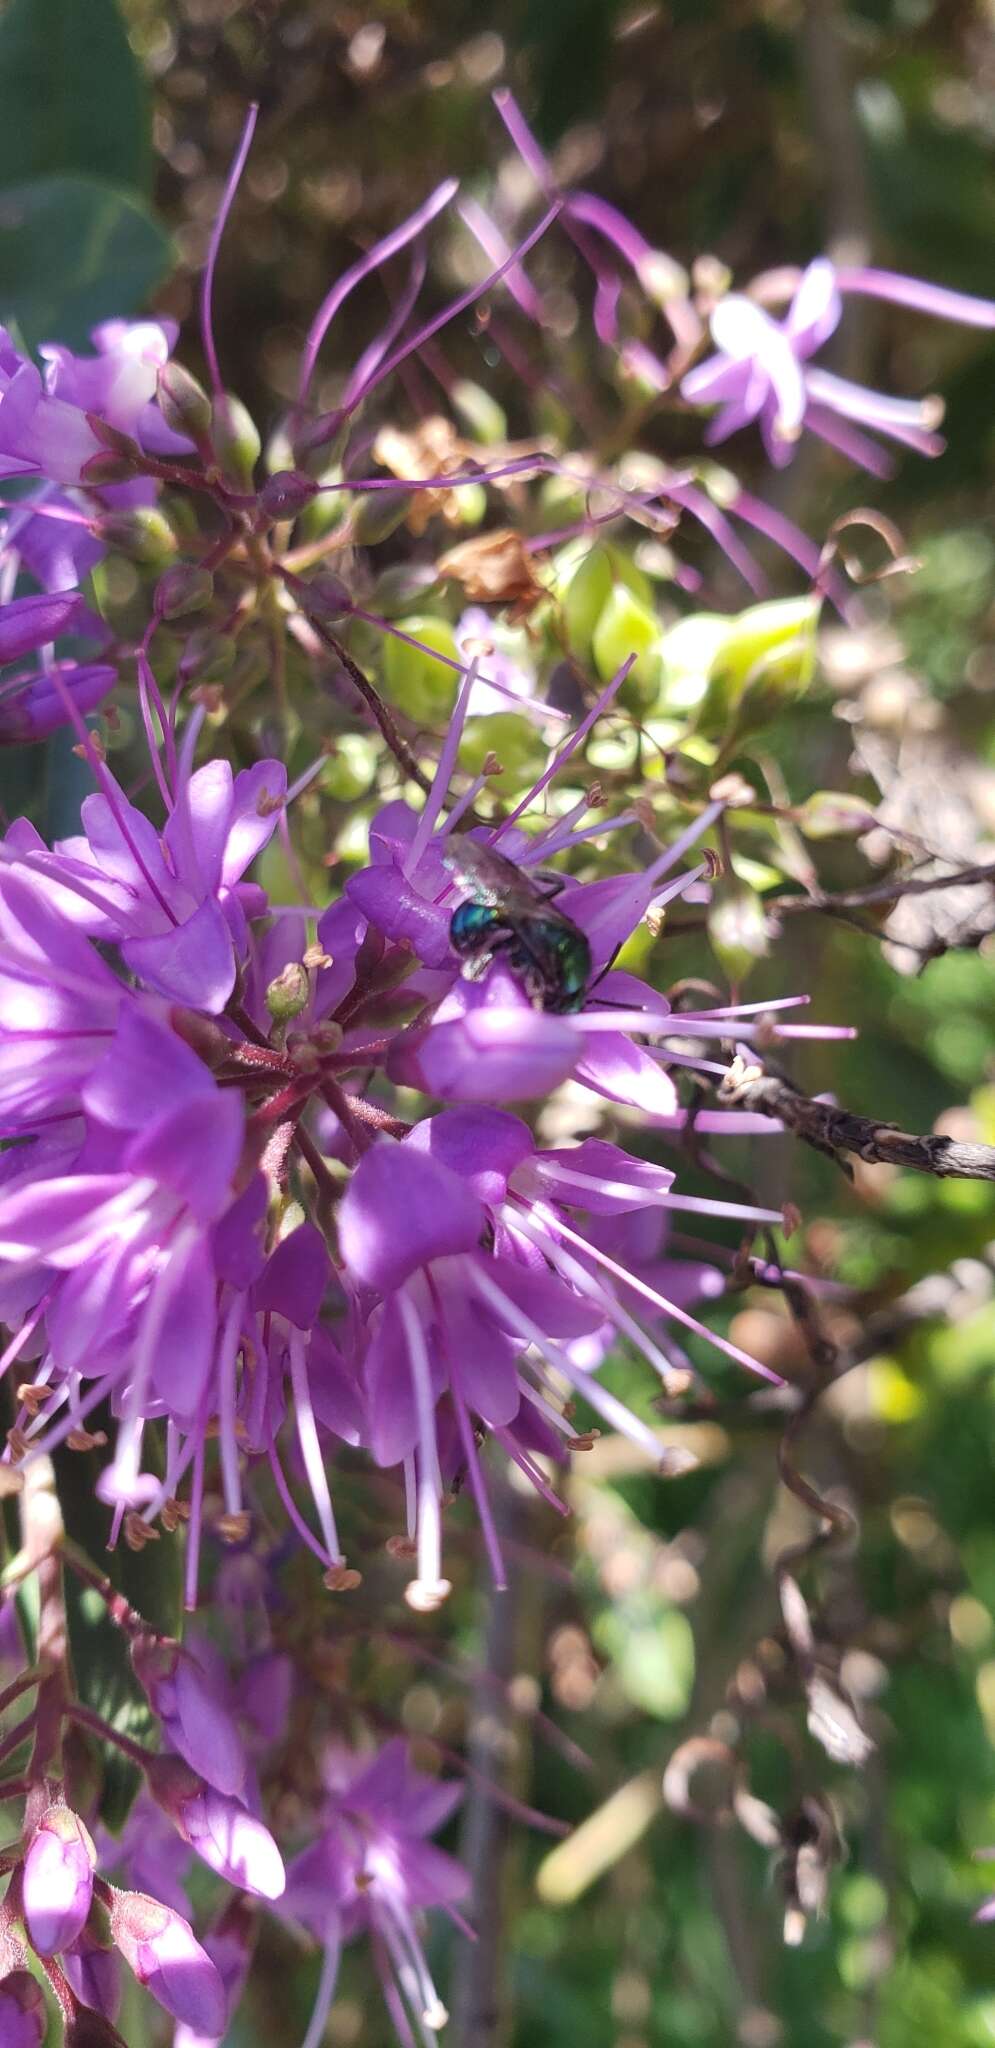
(86, 1718)
(22, 1683)
(569, 747)
(21, 1732)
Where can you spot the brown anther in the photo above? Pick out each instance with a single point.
(586, 1442)
(173, 1512)
(792, 1218)
(492, 766)
(316, 956)
(86, 751)
(138, 1532)
(363, 1881)
(31, 1396)
(400, 1546)
(341, 1578)
(86, 1439)
(595, 797)
(233, 1528)
(17, 1442)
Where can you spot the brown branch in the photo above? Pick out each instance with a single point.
(837, 903)
(836, 1132)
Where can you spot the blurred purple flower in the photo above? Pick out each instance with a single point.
(371, 1870)
(761, 368)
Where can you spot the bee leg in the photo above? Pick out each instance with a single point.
(551, 883)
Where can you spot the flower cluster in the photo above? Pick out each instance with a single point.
(283, 1194)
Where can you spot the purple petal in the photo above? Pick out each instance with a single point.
(400, 1210)
(484, 1146)
(193, 1150)
(295, 1278)
(392, 1419)
(193, 963)
(181, 1318)
(255, 814)
(613, 1066)
(146, 1064)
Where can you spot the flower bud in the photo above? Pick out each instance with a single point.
(165, 1955)
(58, 1880)
(23, 2019)
(185, 588)
(88, 2029)
(109, 469)
(193, 1712)
(377, 514)
(235, 439)
(183, 403)
(30, 622)
(402, 586)
(95, 1974)
(144, 534)
(220, 1830)
(285, 494)
(327, 595)
(288, 994)
(112, 438)
(207, 658)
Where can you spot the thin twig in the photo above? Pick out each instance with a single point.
(836, 1132)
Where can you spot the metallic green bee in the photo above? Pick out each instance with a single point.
(507, 916)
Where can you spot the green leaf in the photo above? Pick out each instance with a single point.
(73, 94)
(74, 252)
(765, 662)
(151, 1581)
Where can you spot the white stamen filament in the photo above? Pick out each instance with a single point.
(429, 1588)
(668, 1308)
(307, 1433)
(326, 1984)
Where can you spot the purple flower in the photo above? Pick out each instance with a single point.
(119, 383)
(58, 1880)
(371, 1870)
(176, 905)
(59, 1003)
(123, 1244)
(761, 369)
(39, 435)
(484, 1300)
(162, 1950)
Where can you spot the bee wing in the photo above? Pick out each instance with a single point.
(490, 875)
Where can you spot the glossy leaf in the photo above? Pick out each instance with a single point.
(73, 252)
(73, 95)
(151, 1582)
